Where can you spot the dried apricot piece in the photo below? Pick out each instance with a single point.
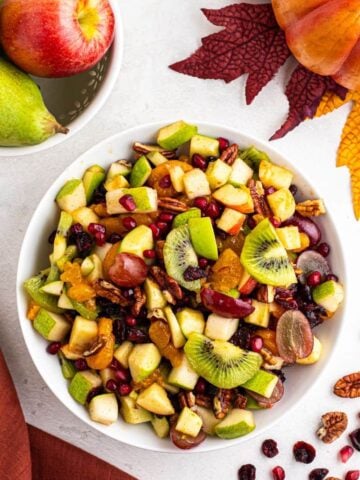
(72, 273)
(159, 333)
(227, 271)
(104, 356)
(32, 311)
(81, 292)
(269, 339)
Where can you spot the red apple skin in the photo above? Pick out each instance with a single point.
(45, 37)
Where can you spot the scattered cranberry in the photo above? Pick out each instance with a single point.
(304, 452)
(52, 236)
(53, 348)
(166, 217)
(198, 161)
(355, 439)
(200, 386)
(247, 472)
(114, 238)
(345, 453)
(269, 190)
(93, 393)
(124, 389)
(269, 448)
(129, 223)
(193, 273)
(278, 473)
(114, 365)
(353, 475)
(76, 229)
(223, 143)
(128, 202)
(318, 474)
(80, 364)
(203, 262)
(250, 222)
(130, 321)
(293, 190)
(111, 385)
(149, 253)
(155, 230)
(275, 221)
(333, 277)
(122, 375)
(256, 343)
(201, 202)
(212, 210)
(162, 225)
(165, 182)
(324, 249)
(136, 335)
(314, 279)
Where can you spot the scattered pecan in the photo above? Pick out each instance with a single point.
(230, 154)
(166, 283)
(159, 249)
(95, 347)
(348, 386)
(144, 149)
(333, 425)
(203, 400)
(172, 205)
(239, 401)
(311, 208)
(265, 294)
(186, 399)
(140, 300)
(107, 290)
(271, 361)
(260, 204)
(222, 402)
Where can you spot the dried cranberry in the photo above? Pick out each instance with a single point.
(114, 238)
(93, 393)
(80, 364)
(247, 472)
(166, 217)
(99, 195)
(200, 386)
(129, 223)
(128, 202)
(52, 236)
(198, 161)
(285, 298)
(84, 244)
(345, 453)
(124, 389)
(223, 143)
(314, 279)
(119, 330)
(111, 385)
(275, 221)
(269, 448)
(194, 273)
(293, 190)
(130, 321)
(201, 202)
(137, 335)
(278, 473)
(353, 475)
(241, 337)
(251, 223)
(256, 343)
(212, 210)
(304, 452)
(324, 249)
(114, 365)
(355, 439)
(280, 374)
(155, 230)
(318, 474)
(203, 262)
(76, 229)
(269, 190)
(333, 277)
(53, 348)
(165, 182)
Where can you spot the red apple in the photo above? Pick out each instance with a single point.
(56, 38)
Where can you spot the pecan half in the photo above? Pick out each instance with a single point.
(203, 400)
(348, 386)
(271, 361)
(186, 399)
(172, 205)
(260, 204)
(239, 401)
(140, 300)
(107, 290)
(333, 424)
(311, 208)
(222, 402)
(166, 283)
(230, 154)
(159, 249)
(143, 149)
(95, 347)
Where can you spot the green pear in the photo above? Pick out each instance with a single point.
(143, 360)
(24, 118)
(92, 178)
(262, 382)
(183, 218)
(155, 400)
(82, 384)
(140, 172)
(33, 288)
(236, 424)
(51, 326)
(203, 237)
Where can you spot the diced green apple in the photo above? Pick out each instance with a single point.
(329, 295)
(87, 266)
(203, 238)
(137, 241)
(60, 242)
(154, 297)
(143, 360)
(53, 288)
(84, 311)
(93, 177)
(84, 216)
(114, 183)
(121, 167)
(176, 134)
(220, 328)
(240, 174)
(107, 374)
(97, 271)
(274, 176)
(196, 184)
(155, 400)
(71, 196)
(189, 422)
(67, 367)
(69, 254)
(205, 146)
(161, 426)
(177, 177)
(218, 174)
(122, 353)
(183, 218)
(208, 418)
(236, 424)
(231, 221)
(282, 204)
(236, 198)
(65, 302)
(289, 237)
(183, 375)
(262, 382)
(177, 336)
(140, 172)
(102, 250)
(156, 158)
(82, 384)
(190, 320)
(145, 199)
(260, 316)
(104, 408)
(51, 326)
(83, 334)
(133, 413)
(253, 157)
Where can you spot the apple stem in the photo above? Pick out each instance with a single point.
(61, 129)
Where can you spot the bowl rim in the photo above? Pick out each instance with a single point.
(340, 316)
(107, 86)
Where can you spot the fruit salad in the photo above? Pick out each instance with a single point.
(182, 283)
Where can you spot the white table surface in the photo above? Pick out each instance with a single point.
(158, 33)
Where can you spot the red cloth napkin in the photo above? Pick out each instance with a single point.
(27, 453)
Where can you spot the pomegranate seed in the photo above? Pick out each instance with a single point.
(127, 201)
(165, 182)
(275, 221)
(53, 348)
(324, 249)
(278, 473)
(80, 364)
(223, 143)
(201, 202)
(122, 375)
(304, 452)
(247, 472)
(355, 438)
(318, 474)
(114, 365)
(130, 321)
(269, 447)
(314, 279)
(114, 238)
(293, 189)
(76, 229)
(124, 389)
(212, 210)
(200, 386)
(94, 228)
(149, 253)
(155, 230)
(345, 453)
(256, 344)
(111, 385)
(203, 262)
(93, 393)
(198, 161)
(166, 217)
(333, 277)
(129, 223)
(250, 222)
(353, 475)
(162, 225)
(100, 238)
(269, 190)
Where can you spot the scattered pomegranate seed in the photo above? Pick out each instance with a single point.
(93, 393)
(149, 253)
(114, 365)
(162, 225)
(314, 279)
(128, 202)
(94, 228)
(155, 230)
(278, 473)
(80, 364)
(166, 217)
(345, 453)
(53, 348)
(256, 343)
(124, 389)
(129, 223)
(304, 452)
(212, 210)
(76, 229)
(111, 385)
(165, 182)
(114, 238)
(198, 161)
(247, 472)
(100, 238)
(122, 375)
(352, 475)
(201, 202)
(275, 221)
(324, 249)
(203, 262)
(269, 190)
(130, 321)
(269, 447)
(250, 222)
(333, 277)
(355, 438)
(223, 143)
(318, 474)
(293, 189)
(200, 386)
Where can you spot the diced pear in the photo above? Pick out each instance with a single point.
(282, 204)
(161, 426)
(231, 221)
(107, 374)
(69, 354)
(177, 177)
(69, 254)
(114, 183)
(154, 296)
(67, 368)
(196, 184)
(53, 288)
(65, 302)
(274, 176)
(145, 199)
(176, 334)
(140, 172)
(84, 311)
(102, 250)
(236, 424)
(329, 295)
(83, 334)
(82, 384)
(104, 409)
(220, 328)
(240, 174)
(174, 135)
(189, 422)
(203, 238)
(97, 271)
(218, 174)
(155, 400)
(143, 360)
(51, 326)
(156, 158)
(71, 196)
(92, 178)
(289, 237)
(262, 382)
(260, 316)
(121, 167)
(183, 218)
(236, 198)
(208, 418)
(84, 216)
(190, 320)
(122, 353)
(183, 375)
(205, 146)
(87, 266)
(314, 355)
(133, 413)
(60, 242)
(137, 241)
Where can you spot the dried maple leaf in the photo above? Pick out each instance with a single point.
(251, 42)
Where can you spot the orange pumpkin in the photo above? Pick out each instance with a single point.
(324, 36)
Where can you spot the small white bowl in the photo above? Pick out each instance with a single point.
(34, 257)
(75, 100)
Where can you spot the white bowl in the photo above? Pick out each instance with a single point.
(34, 256)
(77, 99)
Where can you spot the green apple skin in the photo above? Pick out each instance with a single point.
(82, 384)
(141, 172)
(67, 368)
(262, 382)
(236, 424)
(176, 134)
(92, 179)
(71, 196)
(329, 295)
(51, 326)
(183, 218)
(203, 237)
(137, 241)
(205, 146)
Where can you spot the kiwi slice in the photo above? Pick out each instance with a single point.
(265, 258)
(179, 255)
(221, 363)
